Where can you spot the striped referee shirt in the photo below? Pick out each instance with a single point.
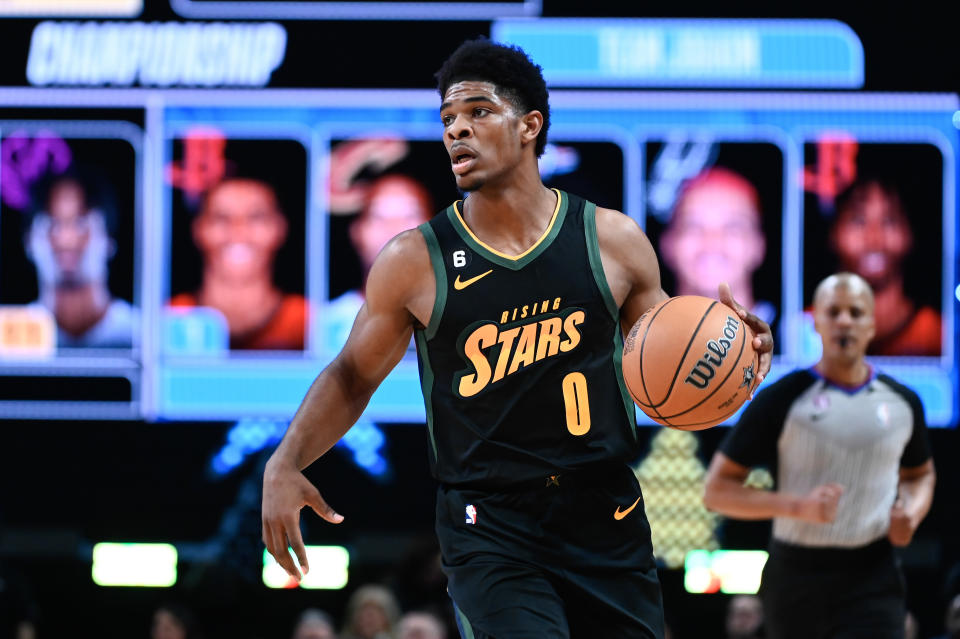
(810, 431)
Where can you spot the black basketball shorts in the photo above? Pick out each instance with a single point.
(568, 558)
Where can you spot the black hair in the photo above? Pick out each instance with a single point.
(97, 193)
(507, 67)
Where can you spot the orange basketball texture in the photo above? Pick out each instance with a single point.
(689, 362)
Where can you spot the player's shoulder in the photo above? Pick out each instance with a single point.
(619, 233)
(402, 265)
(615, 223)
(407, 246)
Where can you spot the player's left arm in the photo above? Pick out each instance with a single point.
(633, 274)
(630, 265)
(914, 496)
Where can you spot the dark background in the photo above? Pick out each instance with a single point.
(66, 484)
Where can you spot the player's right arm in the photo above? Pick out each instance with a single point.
(399, 296)
(725, 493)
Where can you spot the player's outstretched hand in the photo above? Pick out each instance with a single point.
(902, 525)
(763, 340)
(820, 504)
(285, 491)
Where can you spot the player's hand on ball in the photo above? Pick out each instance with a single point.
(285, 491)
(901, 524)
(763, 340)
(820, 504)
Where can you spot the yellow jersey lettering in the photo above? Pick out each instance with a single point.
(549, 344)
(506, 339)
(570, 324)
(520, 345)
(556, 303)
(526, 348)
(481, 338)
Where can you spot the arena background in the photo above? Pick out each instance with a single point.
(67, 484)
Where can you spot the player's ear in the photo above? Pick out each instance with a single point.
(530, 125)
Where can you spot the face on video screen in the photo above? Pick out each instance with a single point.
(238, 236)
(868, 207)
(68, 210)
(714, 214)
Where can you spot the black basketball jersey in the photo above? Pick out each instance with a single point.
(520, 365)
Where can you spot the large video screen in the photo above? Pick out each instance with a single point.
(202, 254)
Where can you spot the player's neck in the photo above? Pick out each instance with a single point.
(844, 373)
(510, 217)
(79, 308)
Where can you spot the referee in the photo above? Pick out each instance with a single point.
(848, 448)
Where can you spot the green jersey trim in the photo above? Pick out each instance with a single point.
(440, 273)
(596, 265)
(426, 385)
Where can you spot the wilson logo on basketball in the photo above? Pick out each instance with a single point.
(705, 368)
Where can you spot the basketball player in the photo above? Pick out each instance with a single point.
(517, 296)
(849, 451)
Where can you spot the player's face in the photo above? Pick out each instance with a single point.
(240, 230)
(394, 209)
(843, 315)
(714, 238)
(872, 237)
(69, 227)
(481, 131)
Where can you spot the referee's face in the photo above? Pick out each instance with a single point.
(843, 316)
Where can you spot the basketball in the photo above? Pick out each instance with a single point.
(689, 362)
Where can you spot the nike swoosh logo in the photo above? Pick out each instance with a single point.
(457, 284)
(618, 515)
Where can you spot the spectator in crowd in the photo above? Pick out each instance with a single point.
(951, 621)
(239, 230)
(173, 621)
(715, 235)
(18, 612)
(420, 625)
(69, 240)
(871, 237)
(911, 629)
(744, 617)
(314, 624)
(372, 613)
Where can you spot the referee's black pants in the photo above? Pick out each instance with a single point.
(833, 593)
